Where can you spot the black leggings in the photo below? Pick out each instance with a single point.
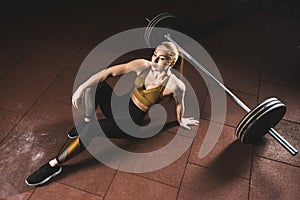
(103, 96)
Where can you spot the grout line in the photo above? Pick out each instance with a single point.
(72, 186)
(287, 120)
(263, 43)
(250, 179)
(36, 144)
(32, 193)
(140, 176)
(261, 61)
(278, 161)
(60, 73)
(281, 85)
(39, 97)
(216, 122)
(26, 55)
(10, 131)
(184, 171)
(204, 101)
(243, 92)
(221, 172)
(18, 62)
(180, 134)
(13, 127)
(114, 176)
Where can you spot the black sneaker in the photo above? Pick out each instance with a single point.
(73, 133)
(43, 174)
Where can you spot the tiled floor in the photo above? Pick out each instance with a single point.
(42, 47)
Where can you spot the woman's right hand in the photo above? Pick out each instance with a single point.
(76, 98)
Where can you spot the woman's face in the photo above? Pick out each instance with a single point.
(160, 59)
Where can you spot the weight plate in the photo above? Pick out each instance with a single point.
(247, 118)
(260, 125)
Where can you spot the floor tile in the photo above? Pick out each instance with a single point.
(25, 195)
(246, 31)
(57, 58)
(33, 28)
(240, 74)
(61, 89)
(282, 68)
(268, 147)
(155, 153)
(60, 191)
(203, 183)
(34, 22)
(228, 155)
(33, 73)
(173, 172)
(8, 120)
(129, 186)
(12, 54)
(196, 81)
(288, 96)
(240, 54)
(234, 113)
(82, 54)
(192, 109)
(281, 58)
(194, 78)
(273, 180)
(46, 124)
(15, 155)
(71, 33)
(212, 42)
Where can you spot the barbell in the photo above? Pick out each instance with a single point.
(258, 121)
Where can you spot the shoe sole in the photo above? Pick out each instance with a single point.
(46, 179)
(72, 137)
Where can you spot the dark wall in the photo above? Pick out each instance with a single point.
(193, 16)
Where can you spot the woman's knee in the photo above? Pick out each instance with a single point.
(90, 131)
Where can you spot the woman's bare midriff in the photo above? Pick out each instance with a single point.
(138, 103)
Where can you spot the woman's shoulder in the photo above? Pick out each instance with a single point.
(174, 80)
(140, 64)
(141, 61)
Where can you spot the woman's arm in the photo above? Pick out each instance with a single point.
(179, 99)
(180, 107)
(135, 65)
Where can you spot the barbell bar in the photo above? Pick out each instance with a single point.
(258, 121)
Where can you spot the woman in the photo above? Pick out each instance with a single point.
(154, 80)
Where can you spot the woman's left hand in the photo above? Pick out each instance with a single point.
(188, 121)
(78, 94)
